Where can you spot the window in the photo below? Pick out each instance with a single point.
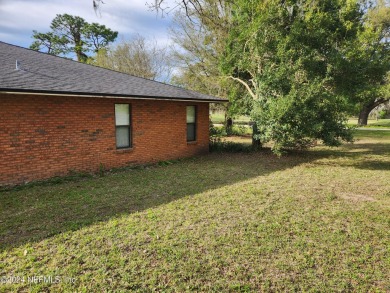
(122, 126)
(191, 123)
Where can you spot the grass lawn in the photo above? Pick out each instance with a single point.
(311, 221)
(219, 117)
(380, 123)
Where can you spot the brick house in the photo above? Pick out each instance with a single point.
(58, 115)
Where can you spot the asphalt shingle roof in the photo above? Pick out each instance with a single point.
(43, 73)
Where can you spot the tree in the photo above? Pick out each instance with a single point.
(72, 34)
(372, 53)
(138, 57)
(292, 58)
(54, 44)
(98, 36)
(199, 42)
(351, 51)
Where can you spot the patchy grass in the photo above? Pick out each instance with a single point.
(219, 117)
(309, 221)
(373, 123)
(380, 123)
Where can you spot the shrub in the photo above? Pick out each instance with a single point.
(216, 131)
(382, 114)
(218, 145)
(240, 130)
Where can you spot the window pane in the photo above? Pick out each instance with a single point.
(190, 114)
(122, 137)
(191, 132)
(122, 116)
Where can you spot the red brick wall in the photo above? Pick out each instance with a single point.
(46, 136)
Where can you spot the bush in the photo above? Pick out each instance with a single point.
(240, 130)
(217, 131)
(383, 114)
(220, 146)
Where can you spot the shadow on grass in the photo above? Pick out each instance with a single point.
(360, 155)
(38, 211)
(41, 210)
(373, 165)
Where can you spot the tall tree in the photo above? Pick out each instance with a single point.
(357, 61)
(371, 55)
(291, 58)
(137, 56)
(199, 42)
(72, 34)
(53, 43)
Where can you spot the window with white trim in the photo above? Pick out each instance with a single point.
(191, 123)
(122, 126)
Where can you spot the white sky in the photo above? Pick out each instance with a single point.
(18, 18)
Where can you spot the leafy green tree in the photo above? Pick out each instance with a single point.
(98, 36)
(72, 34)
(351, 51)
(53, 43)
(372, 60)
(293, 57)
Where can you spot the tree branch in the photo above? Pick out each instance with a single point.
(380, 101)
(245, 85)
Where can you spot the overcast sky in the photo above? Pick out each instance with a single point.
(18, 18)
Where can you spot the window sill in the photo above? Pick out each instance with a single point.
(124, 150)
(192, 142)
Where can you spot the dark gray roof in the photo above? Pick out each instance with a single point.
(43, 73)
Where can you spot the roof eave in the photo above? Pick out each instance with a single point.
(105, 95)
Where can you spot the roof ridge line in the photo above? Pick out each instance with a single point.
(78, 62)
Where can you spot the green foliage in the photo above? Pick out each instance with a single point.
(212, 129)
(369, 54)
(301, 117)
(383, 114)
(235, 130)
(216, 144)
(368, 61)
(240, 130)
(72, 34)
(295, 62)
(98, 36)
(222, 146)
(54, 44)
(200, 43)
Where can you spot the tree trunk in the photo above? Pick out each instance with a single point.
(363, 116)
(229, 126)
(256, 143)
(366, 110)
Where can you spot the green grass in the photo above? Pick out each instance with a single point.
(314, 221)
(380, 123)
(219, 117)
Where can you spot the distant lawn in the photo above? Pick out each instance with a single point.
(311, 221)
(219, 118)
(372, 123)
